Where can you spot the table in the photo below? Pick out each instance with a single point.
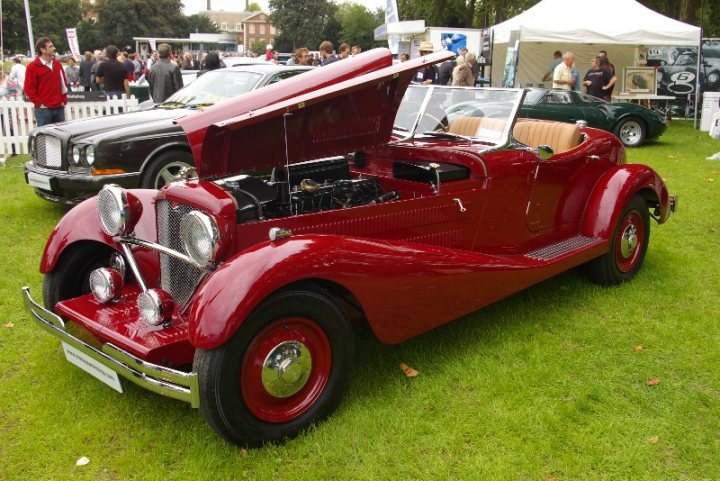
(640, 97)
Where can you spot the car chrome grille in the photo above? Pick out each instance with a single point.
(178, 278)
(48, 151)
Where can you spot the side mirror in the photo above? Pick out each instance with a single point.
(545, 152)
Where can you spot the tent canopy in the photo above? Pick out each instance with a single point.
(585, 27)
(608, 22)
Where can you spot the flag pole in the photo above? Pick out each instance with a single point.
(29, 27)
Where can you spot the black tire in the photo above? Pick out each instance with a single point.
(236, 398)
(165, 168)
(70, 277)
(631, 131)
(628, 246)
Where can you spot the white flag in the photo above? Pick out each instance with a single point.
(73, 42)
(392, 16)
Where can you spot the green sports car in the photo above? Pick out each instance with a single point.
(632, 123)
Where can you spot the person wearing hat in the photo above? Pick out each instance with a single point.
(268, 52)
(428, 75)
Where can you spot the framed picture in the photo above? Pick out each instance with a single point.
(640, 80)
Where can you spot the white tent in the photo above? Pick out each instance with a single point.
(584, 27)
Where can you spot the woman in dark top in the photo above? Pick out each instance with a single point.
(212, 62)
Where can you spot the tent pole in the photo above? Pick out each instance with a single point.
(698, 83)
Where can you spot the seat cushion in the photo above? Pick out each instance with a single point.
(560, 136)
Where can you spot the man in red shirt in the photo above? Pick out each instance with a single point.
(46, 84)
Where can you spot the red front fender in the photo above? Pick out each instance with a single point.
(613, 191)
(82, 224)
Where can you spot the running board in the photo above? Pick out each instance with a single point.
(559, 249)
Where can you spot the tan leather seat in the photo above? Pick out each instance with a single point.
(474, 126)
(560, 136)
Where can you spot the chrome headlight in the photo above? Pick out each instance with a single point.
(155, 307)
(113, 209)
(90, 155)
(105, 284)
(75, 154)
(199, 236)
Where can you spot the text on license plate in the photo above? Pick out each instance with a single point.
(39, 180)
(92, 367)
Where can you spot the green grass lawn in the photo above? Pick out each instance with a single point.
(545, 385)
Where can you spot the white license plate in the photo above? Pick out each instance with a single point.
(92, 367)
(39, 180)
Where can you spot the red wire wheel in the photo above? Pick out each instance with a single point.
(285, 369)
(629, 242)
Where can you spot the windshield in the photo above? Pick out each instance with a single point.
(213, 87)
(473, 114)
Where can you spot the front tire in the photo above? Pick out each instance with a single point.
(631, 131)
(71, 276)
(166, 169)
(286, 367)
(627, 248)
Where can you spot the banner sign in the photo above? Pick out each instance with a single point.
(91, 96)
(391, 16)
(153, 45)
(485, 56)
(511, 60)
(73, 42)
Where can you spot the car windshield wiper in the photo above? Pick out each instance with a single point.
(172, 105)
(442, 133)
(401, 129)
(202, 105)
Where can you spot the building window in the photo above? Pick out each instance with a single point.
(252, 28)
(223, 26)
(238, 27)
(272, 30)
(262, 29)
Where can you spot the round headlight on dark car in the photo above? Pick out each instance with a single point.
(90, 155)
(113, 209)
(75, 154)
(200, 237)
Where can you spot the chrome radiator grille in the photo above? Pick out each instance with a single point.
(48, 151)
(176, 277)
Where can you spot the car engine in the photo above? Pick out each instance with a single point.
(304, 188)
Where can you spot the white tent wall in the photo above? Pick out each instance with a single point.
(584, 27)
(535, 58)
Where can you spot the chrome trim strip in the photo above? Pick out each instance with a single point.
(158, 379)
(163, 250)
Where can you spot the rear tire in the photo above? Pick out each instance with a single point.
(259, 386)
(628, 246)
(166, 169)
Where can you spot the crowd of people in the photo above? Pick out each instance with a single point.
(599, 80)
(463, 70)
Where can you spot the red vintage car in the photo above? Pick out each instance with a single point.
(234, 290)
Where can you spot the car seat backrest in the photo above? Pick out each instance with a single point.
(477, 126)
(560, 136)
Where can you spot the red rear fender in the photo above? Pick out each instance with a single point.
(613, 191)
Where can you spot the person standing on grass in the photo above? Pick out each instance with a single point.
(165, 77)
(46, 84)
(112, 74)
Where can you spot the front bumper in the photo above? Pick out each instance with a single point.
(158, 379)
(71, 188)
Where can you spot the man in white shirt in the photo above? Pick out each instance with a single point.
(18, 72)
(562, 75)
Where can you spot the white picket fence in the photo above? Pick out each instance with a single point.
(17, 118)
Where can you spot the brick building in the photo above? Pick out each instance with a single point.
(248, 26)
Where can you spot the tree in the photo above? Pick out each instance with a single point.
(303, 23)
(90, 37)
(198, 24)
(254, 7)
(357, 25)
(50, 18)
(121, 20)
(258, 47)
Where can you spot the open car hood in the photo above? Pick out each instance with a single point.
(333, 118)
